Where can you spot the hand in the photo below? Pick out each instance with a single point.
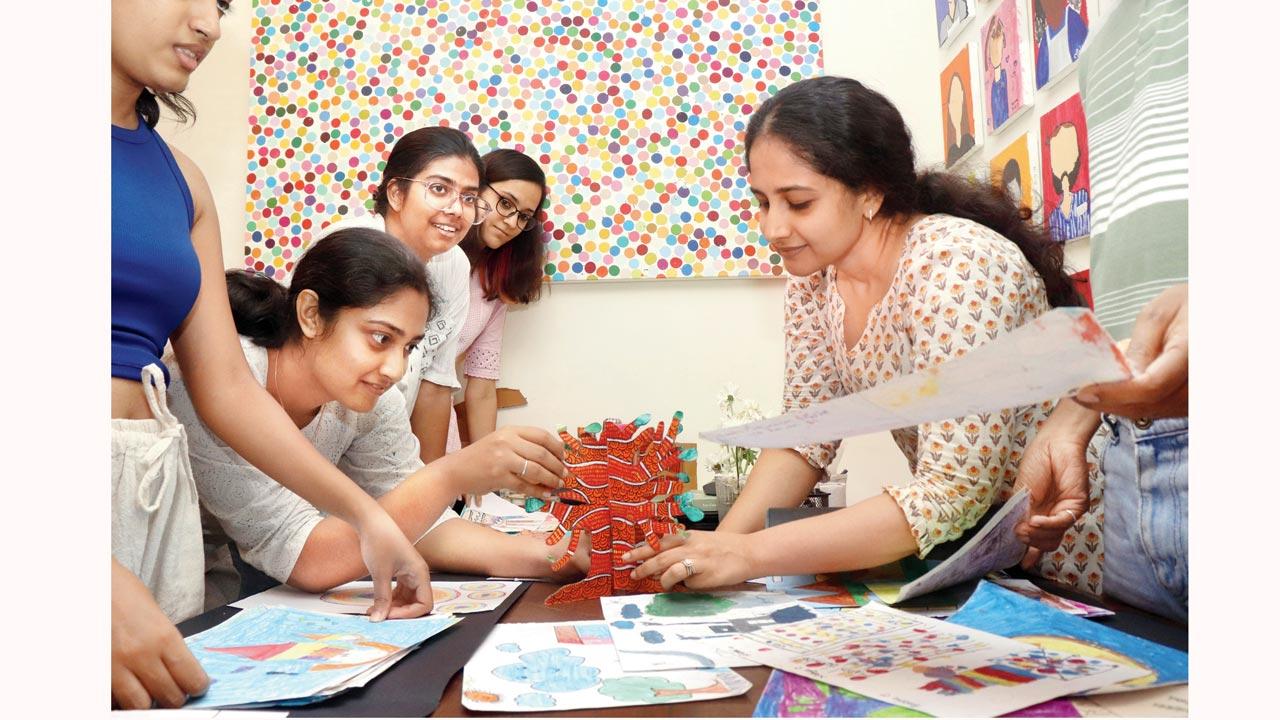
(580, 563)
(528, 460)
(1158, 353)
(388, 554)
(1056, 474)
(718, 558)
(149, 660)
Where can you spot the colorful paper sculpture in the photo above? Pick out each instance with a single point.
(624, 486)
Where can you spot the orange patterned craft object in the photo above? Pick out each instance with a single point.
(624, 487)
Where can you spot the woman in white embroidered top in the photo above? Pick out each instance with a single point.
(328, 349)
(506, 251)
(429, 198)
(892, 272)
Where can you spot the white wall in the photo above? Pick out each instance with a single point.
(590, 350)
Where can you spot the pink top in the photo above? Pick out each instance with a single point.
(480, 346)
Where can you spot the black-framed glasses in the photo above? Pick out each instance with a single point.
(506, 208)
(441, 196)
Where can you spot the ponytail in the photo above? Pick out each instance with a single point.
(260, 308)
(940, 192)
(148, 106)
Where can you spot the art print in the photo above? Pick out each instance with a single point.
(1005, 90)
(1064, 162)
(450, 598)
(952, 16)
(1013, 170)
(1058, 31)
(959, 126)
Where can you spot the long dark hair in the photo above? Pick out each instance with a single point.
(850, 133)
(513, 271)
(415, 150)
(148, 106)
(353, 267)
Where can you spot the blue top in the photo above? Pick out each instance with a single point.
(155, 273)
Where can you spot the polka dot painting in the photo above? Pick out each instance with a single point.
(636, 109)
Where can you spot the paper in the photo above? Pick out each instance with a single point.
(1169, 701)
(1049, 357)
(505, 516)
(1028, 589)
(451, 598)
(280, 655)
(996, 610)
(788, 695)
(528, 667)
(924, 664)
(671, 631)
(994, 547)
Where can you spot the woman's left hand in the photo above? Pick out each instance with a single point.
(716, 559)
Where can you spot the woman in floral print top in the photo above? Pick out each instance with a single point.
(891, 272)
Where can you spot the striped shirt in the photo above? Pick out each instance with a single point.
(1133, 82)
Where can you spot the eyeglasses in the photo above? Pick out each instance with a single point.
(441, 196)
(506, 209)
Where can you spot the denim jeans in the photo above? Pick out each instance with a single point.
(1145, 506)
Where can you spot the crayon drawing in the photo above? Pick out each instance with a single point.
(1064, 162)
(450, 598)
(959, 127)
(1004, 84)
(1001, 612)
(524, 667)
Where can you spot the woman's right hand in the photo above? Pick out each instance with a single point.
(149, 660)
(528, 460)
(389, 555)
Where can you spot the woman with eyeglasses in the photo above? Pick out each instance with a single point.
(167, 286)
(506, 251)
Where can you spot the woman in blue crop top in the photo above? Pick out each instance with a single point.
(168, 285)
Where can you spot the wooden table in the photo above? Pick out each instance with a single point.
(530, 608)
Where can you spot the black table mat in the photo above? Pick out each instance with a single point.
(411, 687)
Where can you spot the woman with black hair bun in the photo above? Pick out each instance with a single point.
(329, 349)
(507, 252)
(892, 272)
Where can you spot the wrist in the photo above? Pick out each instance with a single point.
(1072, 421)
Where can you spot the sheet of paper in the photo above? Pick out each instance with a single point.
(205, 714)
(505, 516)
(1169, 701)
(925, 664)
(999, 611)
(528, 667)
(994, 547)
(451, 598)
(275, 654)
(1049, 357)
(1028, 589)
(671, 631)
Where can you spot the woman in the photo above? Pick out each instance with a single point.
(429, 198)
(506, 252)
(167, 286)
(328, 349)
(891, 273)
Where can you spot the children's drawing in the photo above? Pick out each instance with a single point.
(959, 128)
(1004, 86)
(952, 15)
(624, 487)
(997, 610)
(670, 631)
(1012, 170)
(505, 516)
(1028, 589)
(994, 547)
(1058, 31)
(573, 666)
(1064, 162)
(927, 665)
(274, 654)
(450, 598)
(1056, 353)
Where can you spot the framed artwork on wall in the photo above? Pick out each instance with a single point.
(1005, 89)
(1064, 162)
(1014, 170)
(1058, 31)
(960, 126)
(952, 16)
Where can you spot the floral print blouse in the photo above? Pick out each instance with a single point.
(958, 285)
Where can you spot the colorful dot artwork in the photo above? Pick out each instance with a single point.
(636, 110)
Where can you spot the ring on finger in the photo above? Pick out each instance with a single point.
(688, 568)
(524, 467)
(1074, 518)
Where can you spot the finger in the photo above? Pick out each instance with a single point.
(544, 468)
(545, 439)
(673, 576)
(184, 668)
(160, 685)
(641, 553)
(1148, 335)
(381, 598)
(127, 691)
(658, 563)
(1168, 371)
(1030, 558)
(418, 584)
(1045, 539)
(407, 601)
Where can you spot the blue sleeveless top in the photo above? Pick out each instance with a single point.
(155, 273)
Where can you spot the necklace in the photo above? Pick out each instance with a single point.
(273, 381)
